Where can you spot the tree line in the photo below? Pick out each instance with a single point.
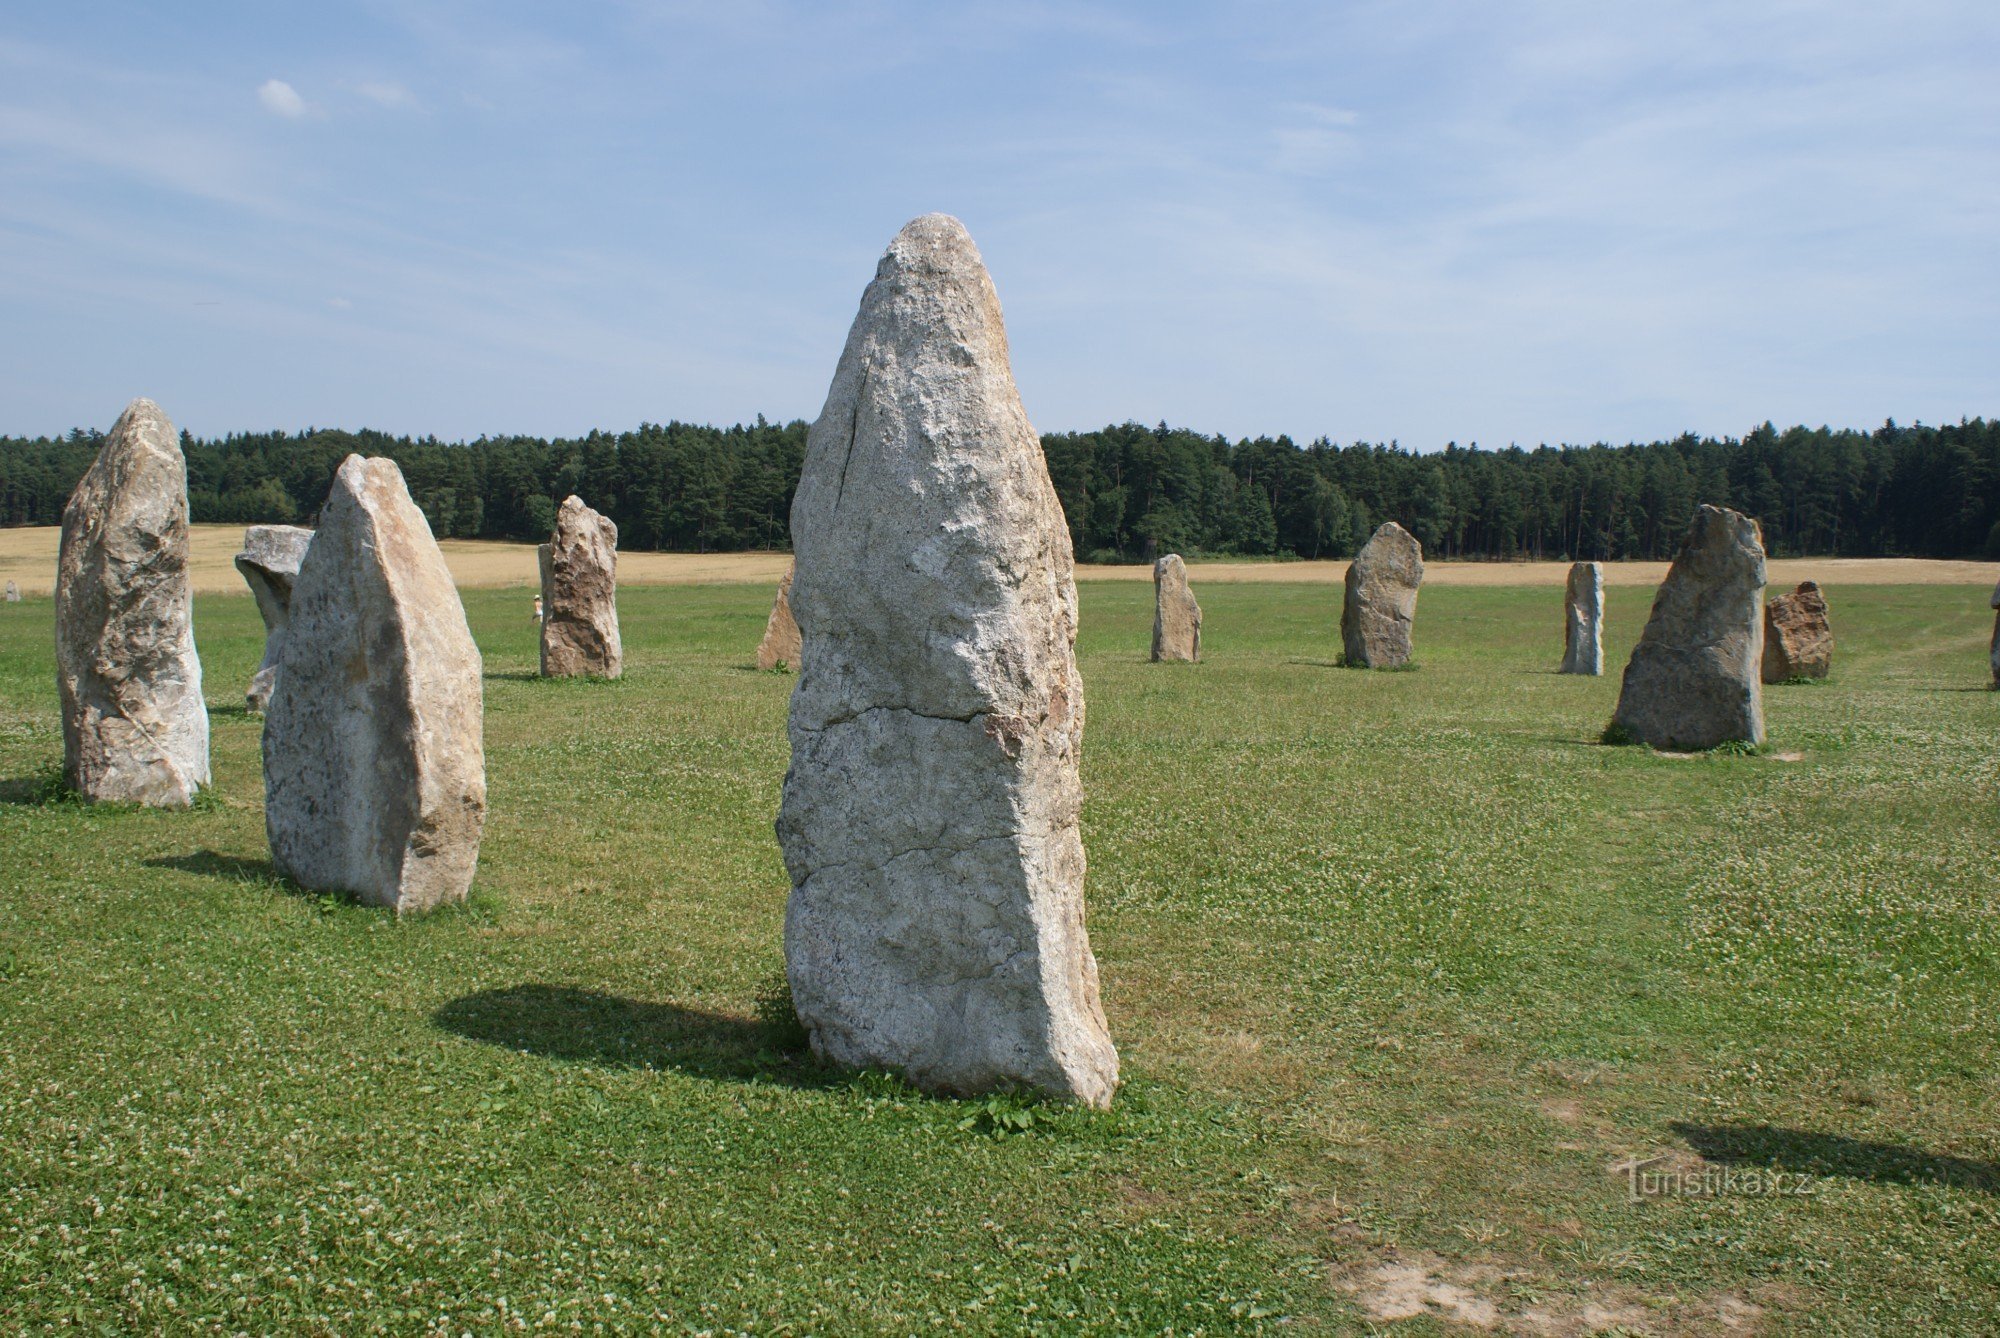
(1131, 491)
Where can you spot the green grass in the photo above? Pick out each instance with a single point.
(1401, 967)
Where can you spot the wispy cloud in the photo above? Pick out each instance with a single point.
(1311, 137)
(390, 95)
(1414, 220)
(281, 99)
(58, 145)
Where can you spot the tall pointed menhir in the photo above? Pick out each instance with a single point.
(135, 729)
(929, 820)
(374, 756)
(1176, 615)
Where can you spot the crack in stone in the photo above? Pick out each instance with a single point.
(853, 430)
(901, 710)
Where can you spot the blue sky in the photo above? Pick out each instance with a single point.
(1483, 222)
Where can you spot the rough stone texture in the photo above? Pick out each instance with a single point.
(1381, 599)
(1583, 620)
(929, 820)
(1693, 680)
(1176, 616)
(135, 729)
(13, 593)
(780, 646)
(374, 764)
(1798, 641)
(270, 563)
(580, 596)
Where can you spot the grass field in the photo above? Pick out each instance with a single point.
(1403, 967)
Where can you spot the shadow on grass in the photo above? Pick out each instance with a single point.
(238, 871)
(1342, 662)
(588, 1026)
(48, 789)
(1831, 1154)
(557, 682)
(236, 711)
(40, 789)
(229, 868)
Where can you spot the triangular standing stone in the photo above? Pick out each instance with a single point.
(780, 647)
(1695, 679)
(374, 760)
(930, 814)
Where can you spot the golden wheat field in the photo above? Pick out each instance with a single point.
(28, 556)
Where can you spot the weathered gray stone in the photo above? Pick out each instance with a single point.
(1381, 600)
(1693, 680)
(135, 728)
(780, 647)
(580, 596)
(1798, 640)
(13, 593)
(374, 763)
(270, 563)
(1583, 620)
(929, 823)
(1176, 615)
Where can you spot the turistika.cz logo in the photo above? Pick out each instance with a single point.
(1647, 1178)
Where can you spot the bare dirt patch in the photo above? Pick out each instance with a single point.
(1489, 1298)
(1563, 1111)
(28, 555)
(1406, 1288)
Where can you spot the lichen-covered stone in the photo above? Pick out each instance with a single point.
(135, 728)
(13, 593)
(929, 822)
(580, 596)
(374, 758)
(270, 563)
(1583, 620)
(1176, 615)
(1798, 639)
(1381, 601)
(1694, 679)
(780, 647)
